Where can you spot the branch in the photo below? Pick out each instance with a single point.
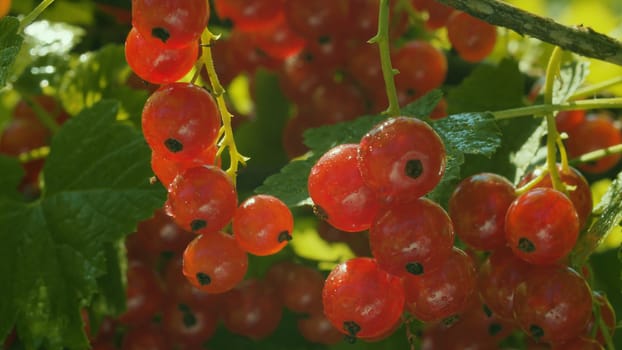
(581, 40)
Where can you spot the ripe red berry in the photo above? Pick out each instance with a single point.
(411, 238)
(262, 225)
(202, 199)
(553, 304)
(477, 208)
(444, 292)
(472, 38)
(362, 300)
(422, 68)
(214, 262)
(596, 132)
(180, 121)
(542, 226)
(402, 158)
(155, 63)
(173, 23)
(338, 191)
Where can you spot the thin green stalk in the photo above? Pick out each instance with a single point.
(44, 117)
(34, 14)
(540, 110)
(382, 40)
(553, 135)
(593, 89)
(597, 154)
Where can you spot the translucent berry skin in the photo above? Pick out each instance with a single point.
(472, 38)
(362, 300)
(444, 292)
(477, 208)
(214, 262)
(553, 304)
(317, 329)
(173, 23)
(180, 121)
(402, 158)
(262, 225)
(166, 170)
(411, 238)
(338, 191)
(497, 279)
(250, 16)
(596, 132)
(422, 68)
(542, 226)
(580, 194)
(202, 199)
(155, 63)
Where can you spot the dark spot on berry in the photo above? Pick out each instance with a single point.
(450, 320)
(494, 329)
(188, 317)
(413, 168)
(349, 339)
(410, 92)
(203, 278)
(308, 57)
(324, 39)
(414, 268)
(160, 33)
(487, 310)
(320, 213)
(351, 327)
(536, 331)
(284, 236)
(173, 145)
(197, 224)
(525, 245)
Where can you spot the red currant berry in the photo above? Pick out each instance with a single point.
(214, 262)
(553, 304)
(180, 121)
(444, 292)
(263, 225)
(338, 191)
(477, 208)
(411, 238)
(472, 38)
(174, 23)
(155, 63)
(362, 300)
(402, 158)
(542, 226)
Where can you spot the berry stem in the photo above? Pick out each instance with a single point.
(227, 140)
(34, 14)
(382, 40)
(596, 155)
(552, 70)
(539, 110)
(44, 117)
(593, 89)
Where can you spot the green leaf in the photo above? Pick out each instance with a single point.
(571, 77)
(53, 253)
(423, 107)
(473, 133)
(326, 137)
(101, 75)
(610, 210)
(488, 88)
(12, 174)
(290, 184)
(10, 43)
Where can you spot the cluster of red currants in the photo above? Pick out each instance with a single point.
(524, 283)
(329, 70)
(165, 311)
